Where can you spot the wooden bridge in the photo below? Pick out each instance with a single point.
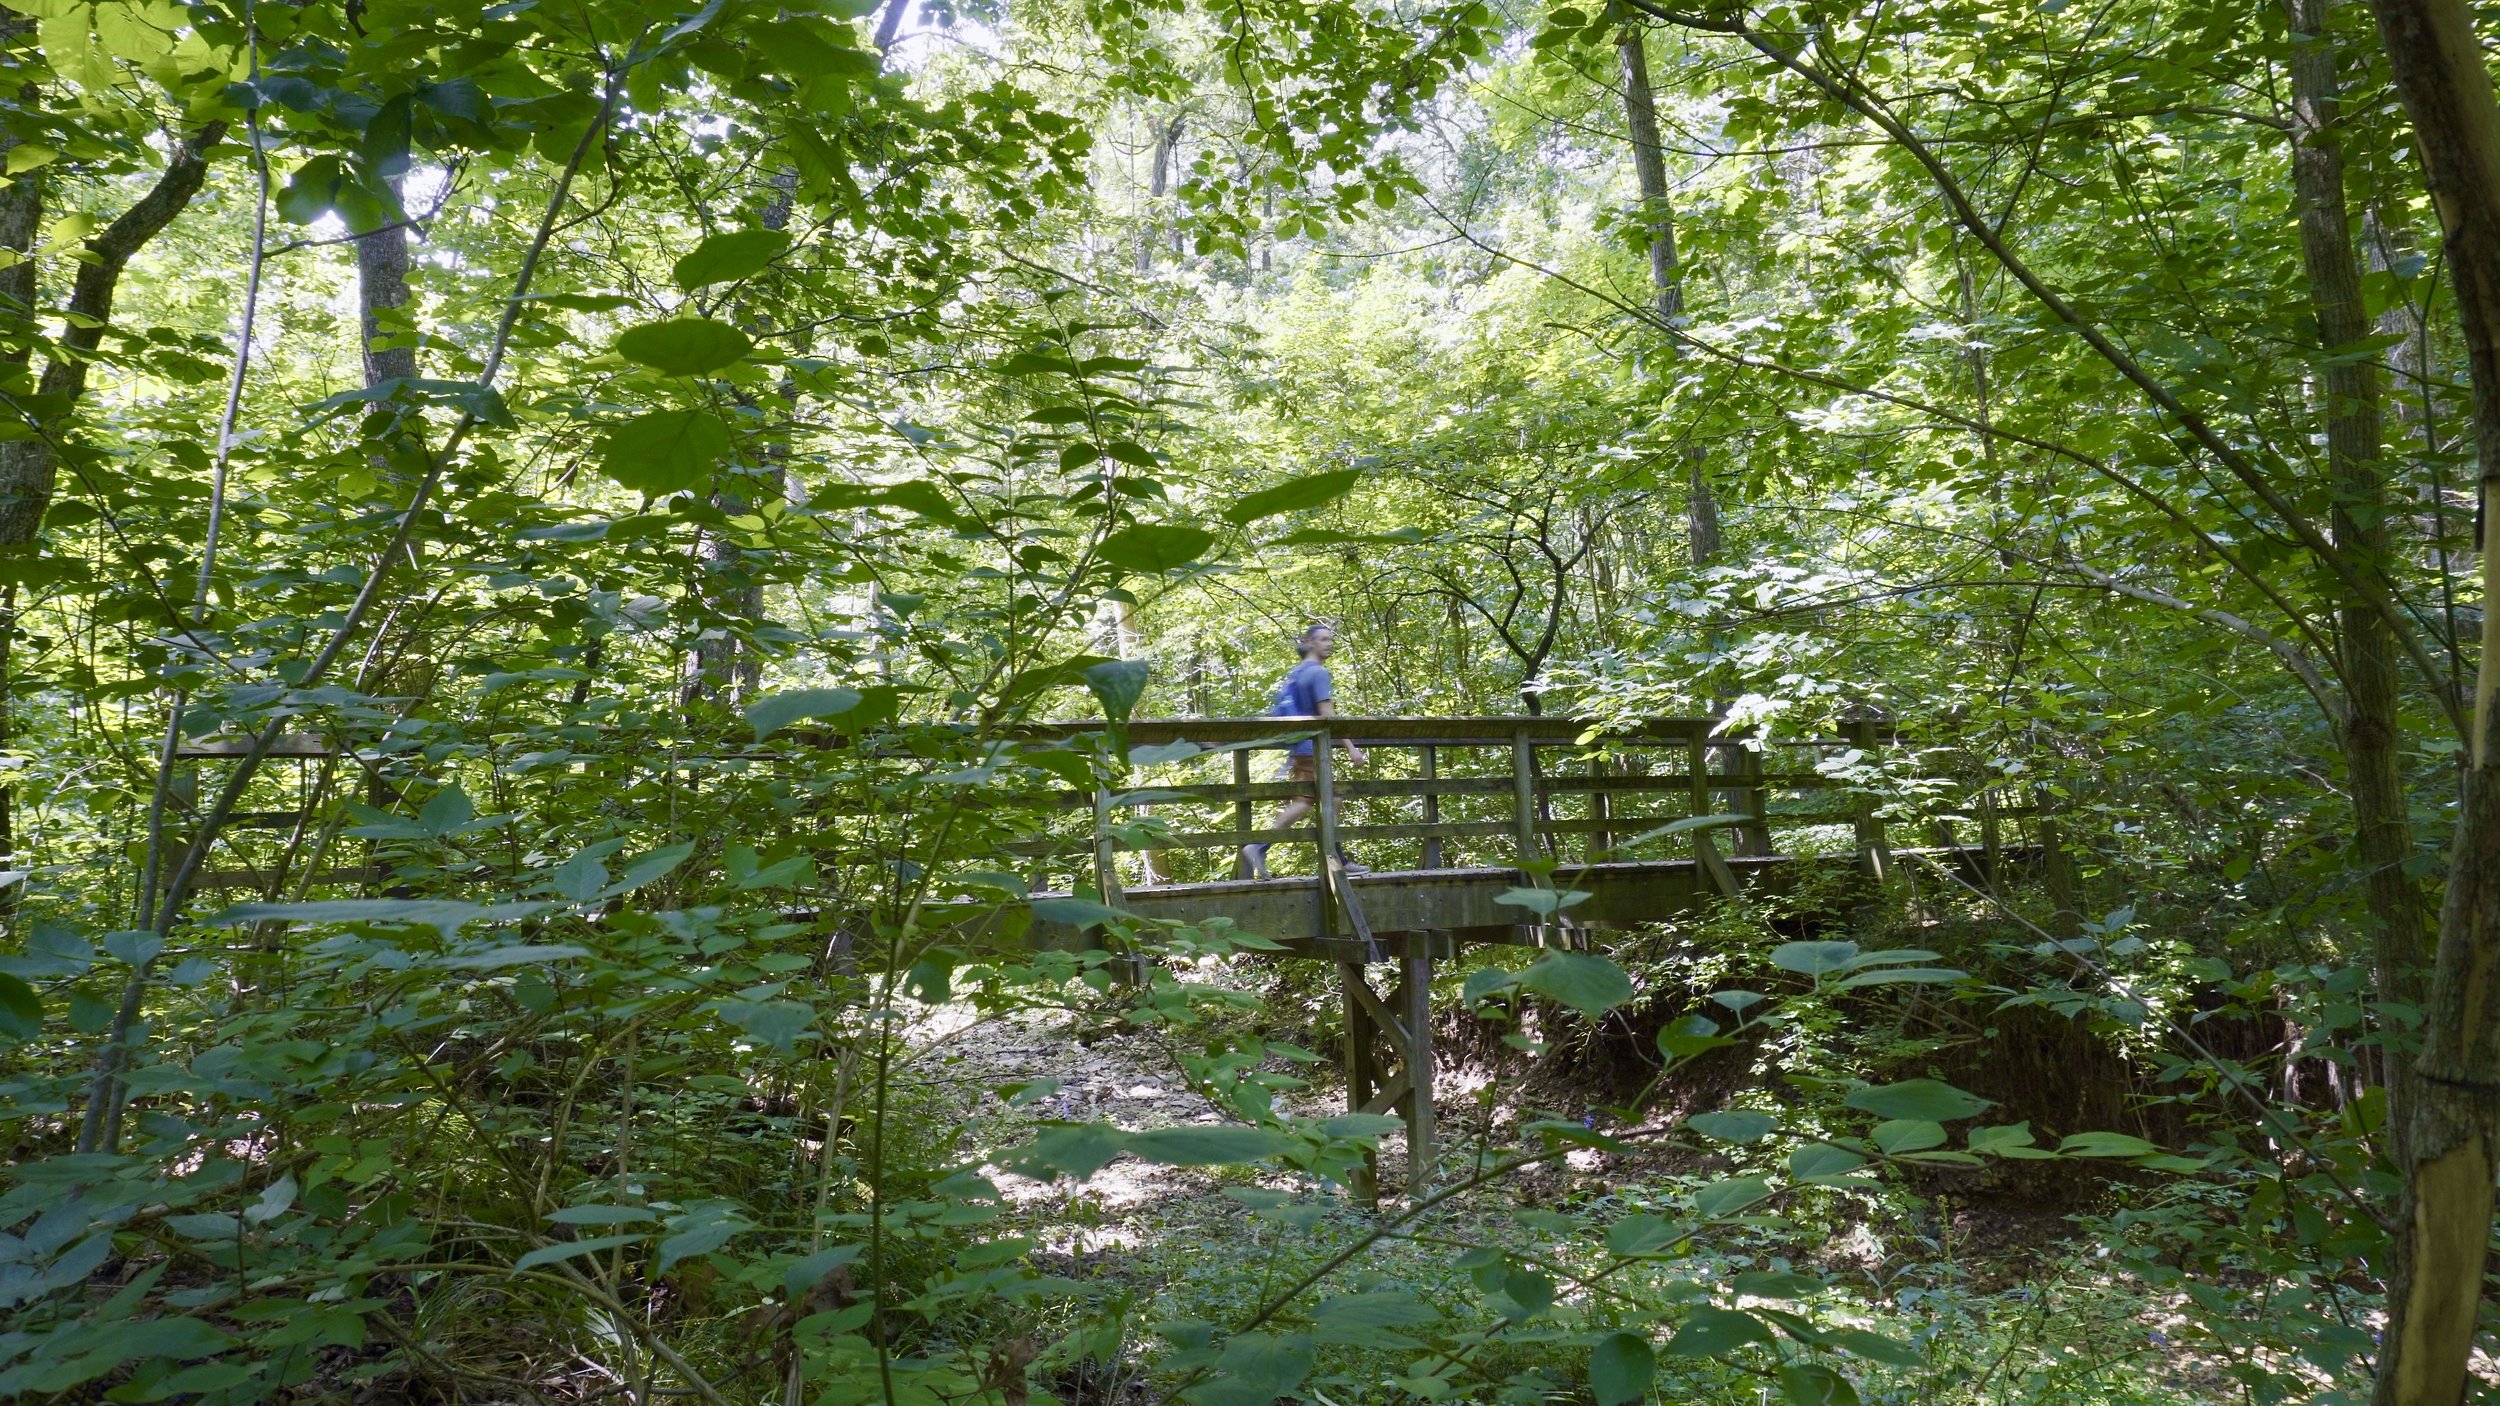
(1457, 816)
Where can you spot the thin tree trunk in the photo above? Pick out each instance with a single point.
(2371, 730)
(382, 287)
(726, 667)
(29, 467)
(1666, 277)
(2434, 1289)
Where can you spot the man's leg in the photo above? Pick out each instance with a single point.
(1306, 771)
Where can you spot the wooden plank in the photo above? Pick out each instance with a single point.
(1388, 1094)
(1422, 1145)
(1324, 786)
(1432, 806)
(1385, 1020)
(1243, 821)
(1523, 797)
(1360, 1072)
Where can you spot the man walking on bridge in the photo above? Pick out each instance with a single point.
(1309, 691)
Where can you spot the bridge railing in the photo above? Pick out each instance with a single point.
(1459, 792)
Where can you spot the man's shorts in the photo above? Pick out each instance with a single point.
(1305, 772)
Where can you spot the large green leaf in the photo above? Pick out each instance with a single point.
(1293, 495)
(1118, 684)
(1734, 1125)
(1620, 1368)
(1714, 1332)
(1217, 1145)
(442, 914)
(684, 346)
(727, 257)
(1813, 958)
(665, 451)
(1156, 548)
(21, 1011)
(1587, 983)
(770, 715)
(1929, 1099)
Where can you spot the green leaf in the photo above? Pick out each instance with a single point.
(1732, 1197)
(1812, 1384)
(1861, 1343)
(1073, 1149)
(600, 1215)
(1908, 1135)
(664, 451)
(1620, 1369)
(1587, 983)
(1643, 1234)
(1813, 958)
(1714, 1332)
(21, 1011)
(1776, 1284)
(1118, 683)
(521, 955)
(1217, 1145)
(727, 257)
(1734, 1125)
(1358, 1125)
(770, 715)
(443, 915)
(1545, 903)
(567, 1249)
(2009, 1140)
(1898, 976)
(700, 1235)
(1293, 495)
(1917, 1098)
(2105, 1145)
(1255, 1369)
(1154, 549)
(811, 1270)
(1075, 912)
(1690, 1036)
(1359, 1320)
(1820, 1161)
(685, 346)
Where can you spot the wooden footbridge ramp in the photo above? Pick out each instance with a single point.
(1621, 827)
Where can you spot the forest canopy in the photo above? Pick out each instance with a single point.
(644, 665)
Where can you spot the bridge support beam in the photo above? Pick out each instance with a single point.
(1402, 1023)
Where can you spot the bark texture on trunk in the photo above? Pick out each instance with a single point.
(1666, 272)
(725, 666)
(2370, 732)
(2435, 1285)
(382, 287)
(1703, 534)
(29, 467)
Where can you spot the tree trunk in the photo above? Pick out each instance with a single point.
(382, 287)
(2371, 730)
(726, 667)
(28, 467)
(1666, 278)
(2434, 1288)
(1666, 274)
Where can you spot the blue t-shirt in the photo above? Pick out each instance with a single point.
(1300, 695)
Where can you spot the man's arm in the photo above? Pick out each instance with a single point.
(1354, 754)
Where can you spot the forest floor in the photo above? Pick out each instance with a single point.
(2040, 1290)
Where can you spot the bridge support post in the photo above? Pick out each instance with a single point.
(1415, 992)
(1432, 805)
(1362, 1070)
(1403, 1023)
(1242, 817)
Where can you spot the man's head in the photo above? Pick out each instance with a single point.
(1319, 640)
